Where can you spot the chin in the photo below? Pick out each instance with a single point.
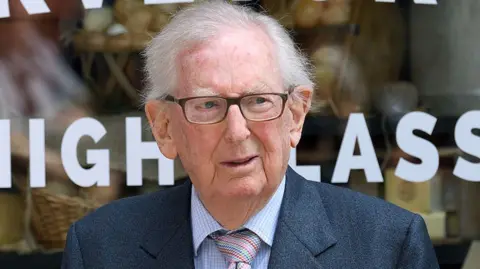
(245, 187)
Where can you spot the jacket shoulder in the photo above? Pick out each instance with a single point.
(128, 214)
(375, 230)
(354, 210)
(342, 200)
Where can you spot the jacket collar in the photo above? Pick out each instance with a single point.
(168, 237)
(263, 223)
(303, 230)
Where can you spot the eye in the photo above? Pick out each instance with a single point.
(209, 104)
(260, 100)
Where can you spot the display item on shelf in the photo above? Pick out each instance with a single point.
(350, 67)
(128, 27)
(123, 9)
(396, 99)
(12, 210)
(98, 20)
(309, 14)
(139, 20)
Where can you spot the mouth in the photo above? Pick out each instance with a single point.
(240, 161)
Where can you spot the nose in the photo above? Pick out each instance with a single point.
(237, 129)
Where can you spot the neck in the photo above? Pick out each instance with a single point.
(233, 213)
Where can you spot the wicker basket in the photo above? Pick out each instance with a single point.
(50, 211)
(52, 215)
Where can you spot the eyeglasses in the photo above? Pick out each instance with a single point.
(213, 109)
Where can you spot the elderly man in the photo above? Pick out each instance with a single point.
(229, 94)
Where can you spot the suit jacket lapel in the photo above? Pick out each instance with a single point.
(303, 229)
(169, 238)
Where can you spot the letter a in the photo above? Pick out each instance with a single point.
(367, 160)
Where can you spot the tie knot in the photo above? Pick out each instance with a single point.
(238, 247)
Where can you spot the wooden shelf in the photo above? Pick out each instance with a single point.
(326, 125)
(312, 156)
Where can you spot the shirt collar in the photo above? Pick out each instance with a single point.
(263, 223)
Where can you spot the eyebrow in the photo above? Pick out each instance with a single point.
(259, 88)
(204, 92)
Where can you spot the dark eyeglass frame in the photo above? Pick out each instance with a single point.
(230, 101)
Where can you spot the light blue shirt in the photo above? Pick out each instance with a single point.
(264, 223)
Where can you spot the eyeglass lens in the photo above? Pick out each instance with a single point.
(213, 109)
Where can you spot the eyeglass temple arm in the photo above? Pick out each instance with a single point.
(169, 98)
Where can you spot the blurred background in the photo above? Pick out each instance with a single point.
(380, 59)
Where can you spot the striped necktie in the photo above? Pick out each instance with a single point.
(238, 248)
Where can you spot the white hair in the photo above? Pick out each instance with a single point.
(199, 22)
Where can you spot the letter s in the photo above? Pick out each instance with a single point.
(416, 147)
(468, 143)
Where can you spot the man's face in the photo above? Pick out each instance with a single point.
(235, 158)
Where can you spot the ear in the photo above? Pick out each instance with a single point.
(299, 106)
(159, 120)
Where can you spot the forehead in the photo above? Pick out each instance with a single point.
(234, 63)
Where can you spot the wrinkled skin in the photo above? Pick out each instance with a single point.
(226, 66)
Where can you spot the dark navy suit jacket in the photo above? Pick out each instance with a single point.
(320, 226)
